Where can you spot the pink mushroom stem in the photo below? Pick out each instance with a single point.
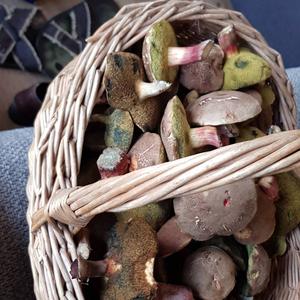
(228, 41)
(204, 136)
(186, 55)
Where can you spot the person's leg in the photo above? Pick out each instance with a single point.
(15, 273)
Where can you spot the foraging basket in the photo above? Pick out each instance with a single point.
(58, 206)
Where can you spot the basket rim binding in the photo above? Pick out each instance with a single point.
(55, 154)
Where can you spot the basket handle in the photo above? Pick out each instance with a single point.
(263, 156)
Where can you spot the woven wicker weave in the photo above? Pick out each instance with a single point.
(55, 155)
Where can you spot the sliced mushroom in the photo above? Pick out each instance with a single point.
(177, 136)
(223, 107)
(119, 128)
(242, 68)
(221, 211)
(210, 273)
(125, 89)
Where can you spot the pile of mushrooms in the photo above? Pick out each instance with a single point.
(164, 103)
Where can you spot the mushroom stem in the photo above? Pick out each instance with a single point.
(84, 248)
(112, 162)
(147, 90)
(186, 55)
(83, 269)
(204, 136)
(228, 41)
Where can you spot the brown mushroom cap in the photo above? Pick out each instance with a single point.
(147, 151)
(171, 239)
(173, 292)
(124, 71)
(221, 211)
(223, 107)
(206, 75)
(210, 273)
(159, 38)
(262, 226)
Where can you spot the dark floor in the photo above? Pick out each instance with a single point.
(279, 22)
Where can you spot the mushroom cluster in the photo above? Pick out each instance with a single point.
(162, 103)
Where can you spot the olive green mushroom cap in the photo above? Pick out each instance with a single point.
(175, 130)
(160, 37)
(244, 69)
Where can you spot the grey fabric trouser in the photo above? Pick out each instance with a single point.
(15, 274)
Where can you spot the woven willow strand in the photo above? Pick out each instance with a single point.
(55, 155)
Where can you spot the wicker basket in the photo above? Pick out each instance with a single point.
(55, 155)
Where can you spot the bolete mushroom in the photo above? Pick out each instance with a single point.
(155, 214)
(173, 292)
(205, 75)
(222, 107)
(83, 246)
(269, 186)
(112, 162)
(242, 68)
(128, 265)
(171, 238)
(119, 128)
(125, 89)
(221, 211)
(258, 273)
(210, 273)
(177, 136)
(147, 151)
(287, 212)
(157, 41)
(249, 133)
(262, 226)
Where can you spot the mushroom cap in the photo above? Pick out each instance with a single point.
(223, 107)
(221, 211)
(147, 151)
(210, 273)
(119, 130)
(171, 239)
(133, 245)
(206, 75)
(244, 69)
(160, 37)
(175, 130)
(259, 269)
(262, 226)
(172, 292)
(122, 72)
